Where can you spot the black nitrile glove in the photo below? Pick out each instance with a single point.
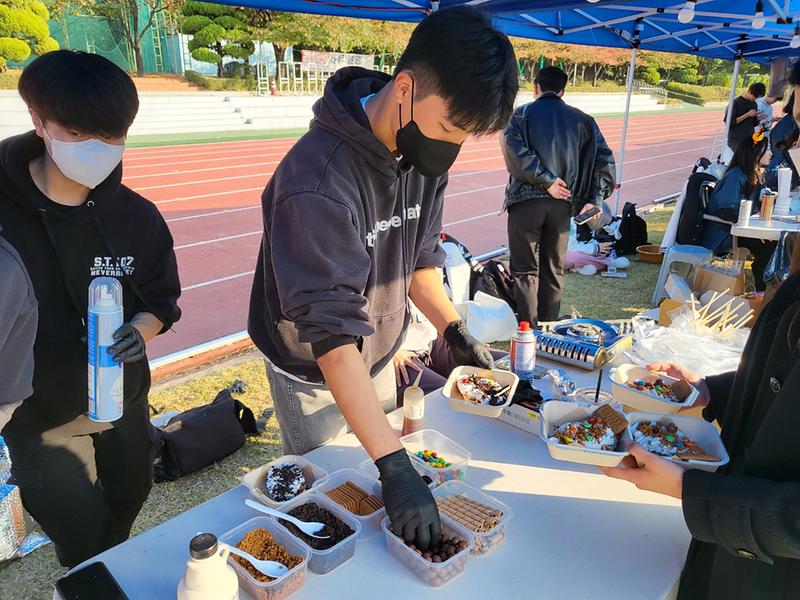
(129, 346)
(409, 502)
(464, 348)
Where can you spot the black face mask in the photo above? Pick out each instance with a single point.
(428, 156)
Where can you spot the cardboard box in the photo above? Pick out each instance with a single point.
(709, 279)
(522, 418)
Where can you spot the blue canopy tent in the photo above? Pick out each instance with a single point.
(756, 30)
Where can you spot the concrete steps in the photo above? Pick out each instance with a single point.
(188, 111)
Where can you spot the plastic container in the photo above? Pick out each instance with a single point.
(557, 412)
(209, 575)
(430, 439)
(431, 574)
(283, 586)
(106, 376)
(485, 541)
(641, 400)
(325, 561)
(457, 402)
(697, 430)
(371, 524)
(370, 470)
(254, 480)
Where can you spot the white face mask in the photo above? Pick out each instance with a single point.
(89, 162)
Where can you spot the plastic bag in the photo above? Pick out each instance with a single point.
(779, 264)
(490, 319)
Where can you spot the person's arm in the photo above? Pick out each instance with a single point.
(719, 391)
(18, 324)
(524, 164)
(428, 293)
(604, 175)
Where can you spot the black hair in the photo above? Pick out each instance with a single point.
(551, 79)
(80, 91)
(758, 89)
(747, 156)
(794, 74)
(457, 54)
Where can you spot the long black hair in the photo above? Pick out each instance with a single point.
(747, 156)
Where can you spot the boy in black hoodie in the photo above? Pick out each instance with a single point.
(71, 220)
(352, 219)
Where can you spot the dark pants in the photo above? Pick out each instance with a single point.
(86, 490)
(762, 251)
(436, 365)
(538, 236)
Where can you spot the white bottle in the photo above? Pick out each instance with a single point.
(105, 375)
(208, 574)
(612, 262)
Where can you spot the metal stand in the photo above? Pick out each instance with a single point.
(620, 163)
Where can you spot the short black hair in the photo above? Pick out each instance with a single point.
(457, 54)
(758, 89)
(551, 79)
(79, 90)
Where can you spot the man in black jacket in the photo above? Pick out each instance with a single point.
(559, 165)
(71, 220)
(352, 219)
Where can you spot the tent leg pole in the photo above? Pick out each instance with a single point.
(731, 97)
(631, 70)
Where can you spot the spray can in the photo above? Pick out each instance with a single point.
(523, 351)
(105, 375)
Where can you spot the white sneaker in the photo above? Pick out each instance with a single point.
(622, 262)
(587, 270)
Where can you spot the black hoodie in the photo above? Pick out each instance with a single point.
(114, 233)
(345, 227)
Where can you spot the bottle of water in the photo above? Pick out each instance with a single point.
(612, 262)
(523, 351)
(105, 375)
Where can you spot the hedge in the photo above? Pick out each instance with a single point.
(219, 84)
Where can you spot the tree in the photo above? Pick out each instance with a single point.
(126, 17)
(217, 31)
(23, 31)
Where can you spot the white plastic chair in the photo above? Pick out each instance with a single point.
(692, 255)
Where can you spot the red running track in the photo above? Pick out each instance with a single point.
(210, 196)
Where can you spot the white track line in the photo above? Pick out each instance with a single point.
(213, 213)
(215, 281)
(217, 240)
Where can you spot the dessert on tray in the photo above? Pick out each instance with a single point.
(477, 389)
(675, 392)
(600, 431)
(284, 482)
(666, 439)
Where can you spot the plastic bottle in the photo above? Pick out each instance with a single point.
(523, 351)
(413, 410)
(208, 574)
(105, 375)
(612, 262)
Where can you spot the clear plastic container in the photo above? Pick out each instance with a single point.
(325, 561)
(485, 541)
(431, 574)
(284, 586)
(254, 480)
(370, 524)
(450, 451)
(370, 470)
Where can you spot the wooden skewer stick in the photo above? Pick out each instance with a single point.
(742, 321)
(716, 296)
(719, 311)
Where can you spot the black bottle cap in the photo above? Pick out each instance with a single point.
(203, 545)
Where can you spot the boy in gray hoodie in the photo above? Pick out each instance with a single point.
(352, 218)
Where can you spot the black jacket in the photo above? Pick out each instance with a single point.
(345, 227)
(547, 139)
(745, 519)
(114, 233)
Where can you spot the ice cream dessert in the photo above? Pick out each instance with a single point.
(675, 392)
(284, 482)
(666, 439)
(600, 431)
(477, 389)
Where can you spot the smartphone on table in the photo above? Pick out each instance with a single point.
(93, 582)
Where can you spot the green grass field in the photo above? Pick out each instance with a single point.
(32, 577)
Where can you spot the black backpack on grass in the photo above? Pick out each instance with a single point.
(632, 231)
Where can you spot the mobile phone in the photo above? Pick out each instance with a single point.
(93, 582)
(584, 217)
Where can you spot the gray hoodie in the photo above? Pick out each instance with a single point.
(345, 227)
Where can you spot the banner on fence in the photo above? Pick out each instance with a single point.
(337, 60)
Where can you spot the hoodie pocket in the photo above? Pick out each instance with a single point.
(381, 346)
